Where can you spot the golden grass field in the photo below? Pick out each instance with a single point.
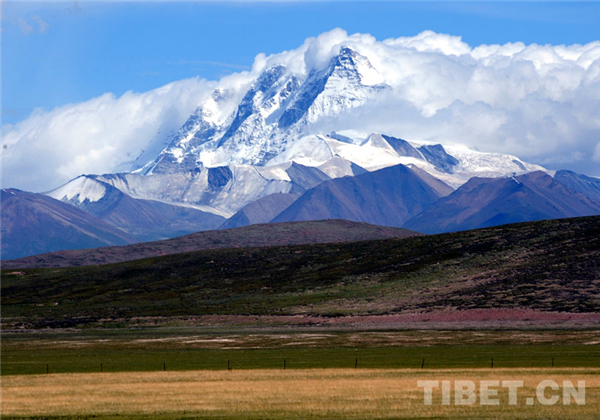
(284, 394)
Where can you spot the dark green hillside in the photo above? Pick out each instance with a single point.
(550, 266)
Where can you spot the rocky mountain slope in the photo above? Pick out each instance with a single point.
(34, 223)
(146, 220)
(242, 145)
(262, 210)
(388, 197)
(274, 112)
(484, 202)
(585, 185)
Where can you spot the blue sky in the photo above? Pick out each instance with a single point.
(54, 53)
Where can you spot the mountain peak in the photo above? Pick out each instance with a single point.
(352, 66)
(276, 110)
(346, 58)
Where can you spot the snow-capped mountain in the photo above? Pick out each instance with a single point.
(276, 122)
(263, 138)
(454, 164)
(239, 146)
(220, 190)
(144, 219)
(283, 142)
(278, 109)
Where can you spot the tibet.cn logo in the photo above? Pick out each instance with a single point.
(547, 392)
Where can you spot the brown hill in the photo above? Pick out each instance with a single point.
(543, 267)
(259, 211)
(293, 233)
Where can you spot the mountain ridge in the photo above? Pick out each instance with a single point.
(261, 235)
(239, 146)
(484, 202)
(146, 220)
(276, 107)
(389, 197)
(35, 223)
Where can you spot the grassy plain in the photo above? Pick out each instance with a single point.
(320, 380)
(153, 339)
(213, 349)
(279, 394)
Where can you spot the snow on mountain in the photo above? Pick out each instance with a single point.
(338, 167)
(251, 140)
(372, 154)
(486, 165)
(453, 164)
(535, 101)
(219, 190)
(273, 124)
(278, 109)
(143, 219)
(81, 189)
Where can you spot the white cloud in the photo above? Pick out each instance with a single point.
(540, 102)
(24, 26)
(42, 25)
(97, 136)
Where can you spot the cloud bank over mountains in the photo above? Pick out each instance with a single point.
(539, 102)
(98, 136)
